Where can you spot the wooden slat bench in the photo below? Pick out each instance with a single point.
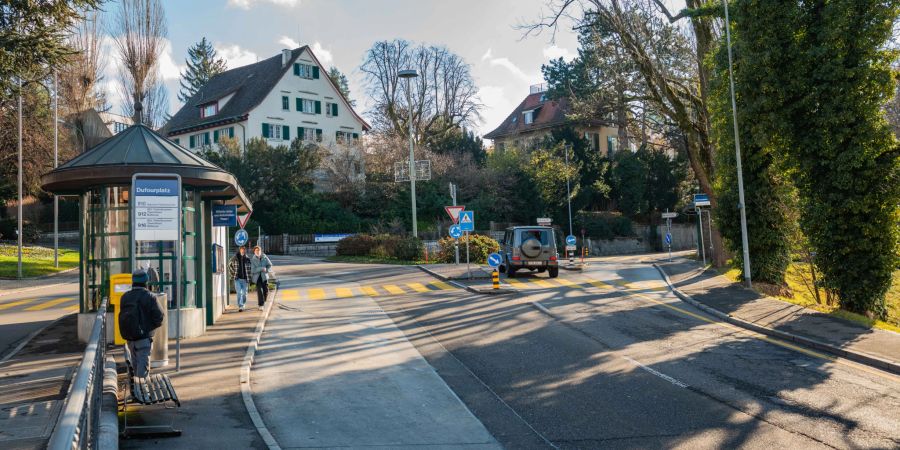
(154, 389)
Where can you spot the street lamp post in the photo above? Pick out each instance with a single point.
(737, 151)
(55, 163)
(409, 74)
(19, 206)
(568, 189)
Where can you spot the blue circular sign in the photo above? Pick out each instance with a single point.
(494, 260)
(455, 231)
(570, 240)
(241, 237)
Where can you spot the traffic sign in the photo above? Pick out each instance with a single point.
(669, 215)
(668, 238)
(454, 211)
(570, 240)
(494, 260)
(224, 215)
(243, 218)
(701, 200)
(544, 221)
(571, 248)
(241, 237)
(156, 209)
(467, 220)
(455, 232)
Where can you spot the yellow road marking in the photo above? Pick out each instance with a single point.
(368, 290)
(343, 292)
(316, 294)
(600, 284)
(393, 289)
(418, 287)
(541, 283)
(441, 285)
(516, 283)
(14, 304)
(73, 308)
(50, 304)
(567, 283)
(290, 295)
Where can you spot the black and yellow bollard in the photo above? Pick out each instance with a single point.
(495, 277)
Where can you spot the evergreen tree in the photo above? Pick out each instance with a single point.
(341, 81)
(202, 64)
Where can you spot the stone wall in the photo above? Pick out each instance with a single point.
(324, 249)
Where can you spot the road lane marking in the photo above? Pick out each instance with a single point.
(343, 292)
(290, 295)
(368, 290)
(316, 294)
(600, 284)
(418, 287)
(567, 283)
(657, 373)
(393, 289)
(441, 285)
(50, 304)
(16, 303)
(541, 283)
(516, 283)
(74, 308)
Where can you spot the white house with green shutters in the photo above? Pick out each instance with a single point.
(281, 98)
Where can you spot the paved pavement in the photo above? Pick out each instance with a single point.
(726, 296)
(23, 312)
(334, 371)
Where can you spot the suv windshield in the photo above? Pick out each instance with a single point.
(541, 235)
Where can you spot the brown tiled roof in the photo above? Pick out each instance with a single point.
(550, 113)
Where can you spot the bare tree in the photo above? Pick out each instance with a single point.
(343, 169)
(139, 29)
(82, 72)
(444, 95)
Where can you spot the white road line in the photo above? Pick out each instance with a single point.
(657, 373)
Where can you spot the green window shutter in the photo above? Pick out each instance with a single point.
(299, 104)
(206, 138)
(286, 133)
(300, 134)
(193, 141)
(177, 141)
(609, 145)
(216, 136)
(318, 135)
(297, 69)
(265, 130)
(231, 132)
(318, 107)
(334, 109)
(355, 136)
(316, 72)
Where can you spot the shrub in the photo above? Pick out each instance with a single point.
(356, 245)
(480, 247)
(604, 225)
(8, 227)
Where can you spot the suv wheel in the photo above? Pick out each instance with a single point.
(554, 272)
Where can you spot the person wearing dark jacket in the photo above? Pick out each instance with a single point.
(138, 317)
(239, 266)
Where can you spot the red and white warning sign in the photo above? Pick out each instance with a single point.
(243, 218)
(454, 211)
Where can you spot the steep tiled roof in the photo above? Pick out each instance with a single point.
(250, 85)
(548, 113)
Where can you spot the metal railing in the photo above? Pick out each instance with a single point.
(78, 424)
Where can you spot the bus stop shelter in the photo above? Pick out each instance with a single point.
(101, 179)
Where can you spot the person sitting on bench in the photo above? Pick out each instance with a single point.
(138, 317)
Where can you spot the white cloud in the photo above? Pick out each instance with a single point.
(497, 106)
(168, 68)
(247, 4)
(236, 56)
(325, 56)
(512, 67)
(288, 42)
(487, 55)
(554, 52)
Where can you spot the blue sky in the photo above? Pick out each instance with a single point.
(504, 62)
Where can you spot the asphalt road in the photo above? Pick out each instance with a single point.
(24, 311)
(607, 358)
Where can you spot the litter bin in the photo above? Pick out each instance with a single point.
(159, 351)
(119, 284)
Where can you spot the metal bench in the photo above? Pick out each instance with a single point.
(154, 389)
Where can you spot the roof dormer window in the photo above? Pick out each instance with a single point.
(209, 109)
(529, 117)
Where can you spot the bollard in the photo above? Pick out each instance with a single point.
(495, 278)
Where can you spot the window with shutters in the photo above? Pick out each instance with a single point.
(306, 105)
(308, 134)
(327, 109)
(306, 71)
(271, 131)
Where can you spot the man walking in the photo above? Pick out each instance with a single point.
(139, 315)
(240, 273)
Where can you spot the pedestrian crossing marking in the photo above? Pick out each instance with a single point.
(567, 283)
(600, 284)
(290, 295)
(49, 304)
(541, 283)
(368, 290)
(74, 308)
(418, 287)
(14, 304)
(393, 289)
(441, 285)
(316, 294)
(343, 292)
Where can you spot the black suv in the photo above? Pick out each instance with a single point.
(532, 248)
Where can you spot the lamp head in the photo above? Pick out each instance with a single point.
(408, 73)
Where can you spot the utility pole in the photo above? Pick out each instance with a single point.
(737, 151)
(455, 241)
(19, 206)
(409, 75)
(55, 164)
(568, 189)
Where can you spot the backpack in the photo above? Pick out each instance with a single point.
(131, 320)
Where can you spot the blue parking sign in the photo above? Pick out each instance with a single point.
(467, 221)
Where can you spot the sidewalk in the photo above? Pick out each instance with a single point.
(341, 374)
(844, 338)
(33, 385)
(212, 413)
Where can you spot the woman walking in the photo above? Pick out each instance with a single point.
(240, 273)
(260, 265)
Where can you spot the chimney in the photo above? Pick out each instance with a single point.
(285, 57)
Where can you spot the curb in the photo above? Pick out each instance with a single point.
(246, 391)
(31, 288)
(41, 277)
(853, 355)
(28, 339)
(463, 286)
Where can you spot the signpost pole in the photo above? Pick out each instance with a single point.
(456, 241)
(468, 267)
(702, 244)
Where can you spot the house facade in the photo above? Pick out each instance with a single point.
(281, 98)
(537, 116)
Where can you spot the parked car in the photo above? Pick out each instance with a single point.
(529, 247)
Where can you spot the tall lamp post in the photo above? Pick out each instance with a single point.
(409, 74)
(568, 189)
(737, 151)
(55, 164)
(19, 205)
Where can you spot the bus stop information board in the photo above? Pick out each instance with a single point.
(156, 210)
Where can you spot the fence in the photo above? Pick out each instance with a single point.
(78, 424)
